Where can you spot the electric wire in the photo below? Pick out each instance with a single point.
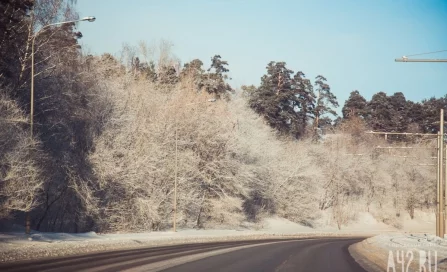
(427, 53)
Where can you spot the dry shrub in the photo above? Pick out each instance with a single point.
(135, 156)
(282, 177)
(358, 169)
(20, 175)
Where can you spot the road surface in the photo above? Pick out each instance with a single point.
(316, 255)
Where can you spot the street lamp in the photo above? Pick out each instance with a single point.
(89, 19)
(176, 163)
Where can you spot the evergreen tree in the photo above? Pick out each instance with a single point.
(431, 109)
(306, 97)
(399, 119)
(326, 101)
(380, 113)
(149, 71)
(280, 98)
(415, 117)
(193, 67)
(194, 71)
(355, 105)
(214, 81)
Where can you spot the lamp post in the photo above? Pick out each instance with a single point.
(89, 19)
(441, 197)
(176, 165)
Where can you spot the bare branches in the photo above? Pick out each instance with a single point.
(20, 175)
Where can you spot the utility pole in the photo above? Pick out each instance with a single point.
(176, 171)
(438, 185)
(441, 174)
(31, 115)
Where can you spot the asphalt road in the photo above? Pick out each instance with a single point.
(297, 256)
(323, 254)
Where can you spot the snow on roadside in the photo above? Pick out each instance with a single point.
(15, 245)
(411, 251)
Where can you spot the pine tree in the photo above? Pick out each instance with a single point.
(415, 116)
(431, 109)
(380, 112)
(355, 105)
(399, 118)
(280, 99)
(194, 71)
(326, 101)
(306, 97)
(214, 82)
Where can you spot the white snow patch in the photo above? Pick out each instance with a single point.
(423, 222)
(15, 245)
(276, 225)
(385, 250)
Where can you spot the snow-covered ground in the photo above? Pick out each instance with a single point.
(15, 245)
(411, 251)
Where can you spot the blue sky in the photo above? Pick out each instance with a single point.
(353, 43)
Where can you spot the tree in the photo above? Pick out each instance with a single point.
(21, 178)
(193, 67)
(306, 97)
(193, 71)
(15, 28)
(415, 115)
(214, 82)
(355, 105)
(380, 113)
(148, 70)
(431, 109)
(279, 99)
(248, 91)
(399, 118)
(325, 103)
(167, 75)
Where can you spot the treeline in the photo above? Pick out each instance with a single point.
(294, 106)
(111, 132)
(395, 113)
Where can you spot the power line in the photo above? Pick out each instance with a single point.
(427, 53)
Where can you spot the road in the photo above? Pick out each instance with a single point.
(319, 254)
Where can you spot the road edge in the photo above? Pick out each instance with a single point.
(365, 254)
(56, 250)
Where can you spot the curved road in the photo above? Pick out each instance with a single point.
(317, 255)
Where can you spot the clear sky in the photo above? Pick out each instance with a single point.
(353, 43)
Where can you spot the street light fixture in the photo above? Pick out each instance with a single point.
(89, 19)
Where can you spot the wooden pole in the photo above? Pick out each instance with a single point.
(438, 185)
(175, 182)
(441, 175)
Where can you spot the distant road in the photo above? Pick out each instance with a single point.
(316, 255)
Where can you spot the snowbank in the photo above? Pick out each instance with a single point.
(15, 245)
(411, 251)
